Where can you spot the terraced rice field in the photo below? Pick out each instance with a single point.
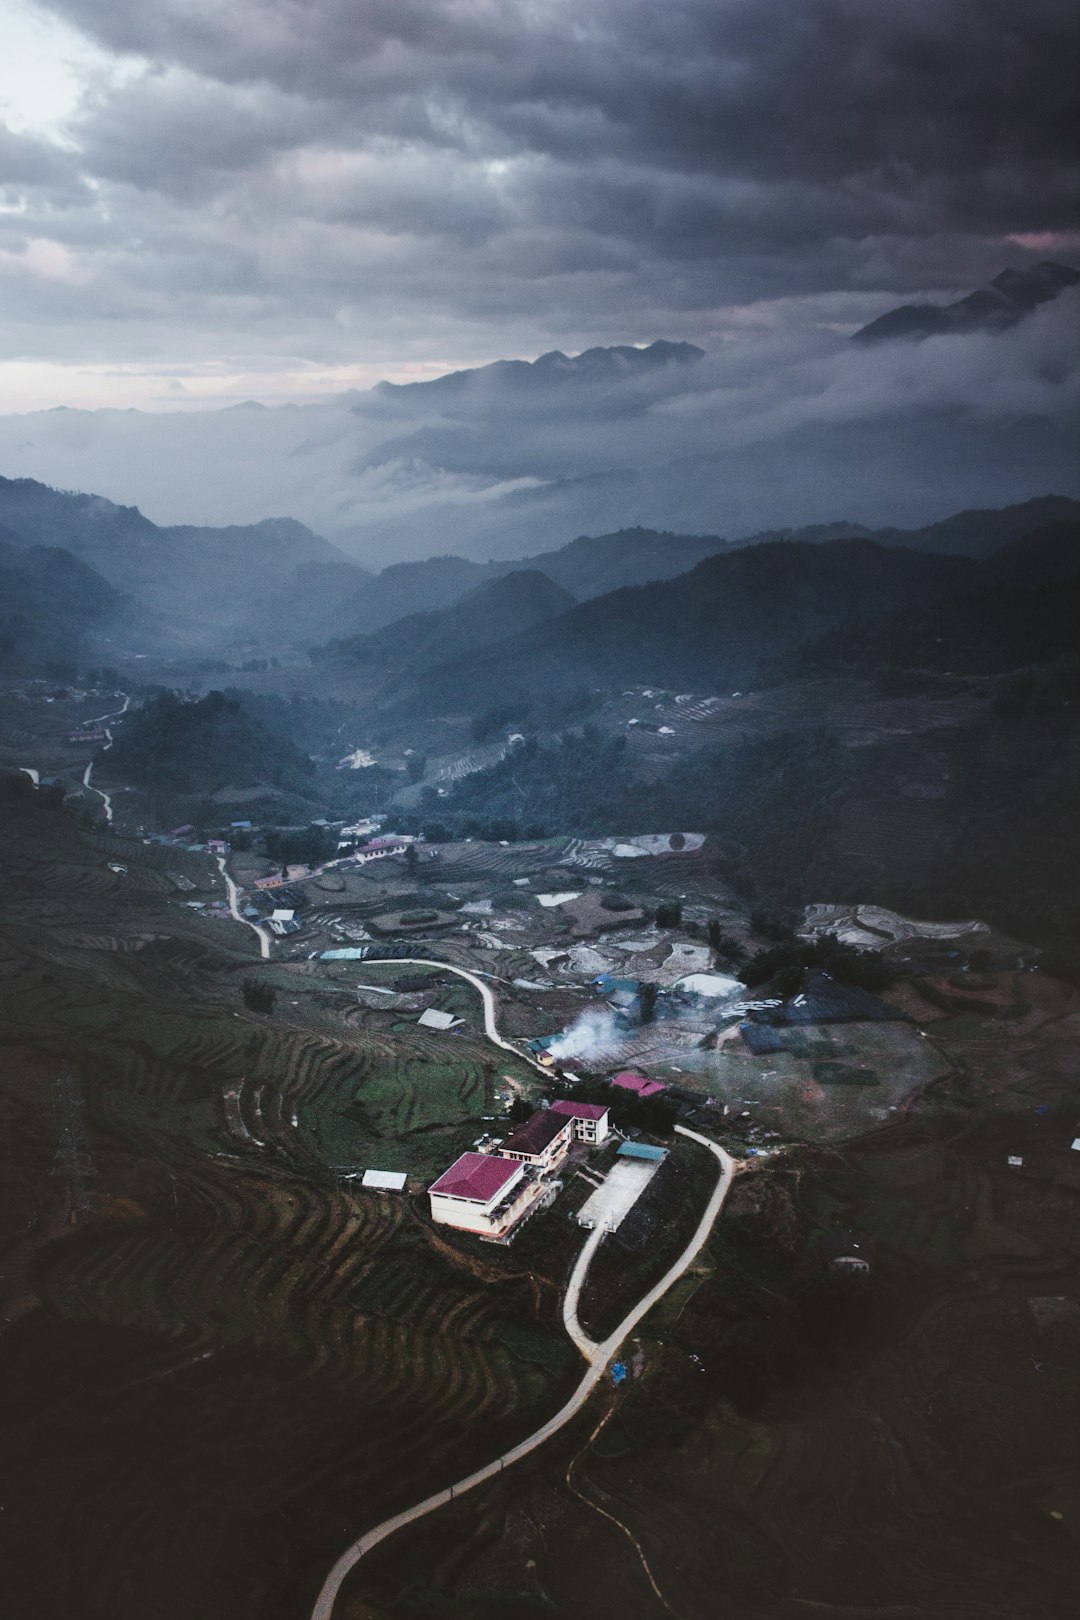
(254, 1347)
(799, 1444)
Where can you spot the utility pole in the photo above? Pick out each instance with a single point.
(73, 1159)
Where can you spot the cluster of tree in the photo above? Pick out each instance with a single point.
(18, 794)
(315, 725)
(258, 997)
(300, 846)
(1000, 845)
(539, 711)
(184, 746)
(783, 965)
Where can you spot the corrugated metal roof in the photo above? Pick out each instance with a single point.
(384, 1180)
(762, 1039)
(432, 1018)
(642, 1150)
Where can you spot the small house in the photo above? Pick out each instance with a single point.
(432, 1018)
(542, 1141)
(637, 1085)
(591, 1121)
(384, 1180)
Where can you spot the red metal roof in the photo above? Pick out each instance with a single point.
(578, 1110)
(478, 1176)
(538, 1131)
(639, 1083)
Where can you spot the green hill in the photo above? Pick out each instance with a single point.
(51, 606)
(183, 747)
(516, 604)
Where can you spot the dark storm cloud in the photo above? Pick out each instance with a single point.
(475, 177)
(822, 89)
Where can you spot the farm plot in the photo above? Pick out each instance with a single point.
(846, 1081)
(392, 1108)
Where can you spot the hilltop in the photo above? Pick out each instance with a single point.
(516, 604)
(1009, 298)
(204, 580)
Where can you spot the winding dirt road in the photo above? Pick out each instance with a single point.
(106, 799)
(487, 996)
(597, 1356)
(234, 911)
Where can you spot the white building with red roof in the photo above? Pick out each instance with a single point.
(591, 1123)
(541, 1141)
(484, 1193)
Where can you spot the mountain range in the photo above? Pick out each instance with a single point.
(203, 582)
(74, 561)
(1010, 297)
(741, 614)
(782, 422)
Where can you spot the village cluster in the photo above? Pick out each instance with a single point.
(496, 1186)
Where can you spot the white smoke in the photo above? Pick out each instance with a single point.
(594, 1035)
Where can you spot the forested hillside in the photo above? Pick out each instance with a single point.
(184, 747)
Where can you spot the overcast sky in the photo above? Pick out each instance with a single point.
(206, 200)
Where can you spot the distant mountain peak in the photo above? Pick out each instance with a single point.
(1007, 300)
(597, 364)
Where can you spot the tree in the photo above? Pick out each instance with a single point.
(720, 943)
(258, 997)
(647, 1002)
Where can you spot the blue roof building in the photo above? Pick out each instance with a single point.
(641, 1150)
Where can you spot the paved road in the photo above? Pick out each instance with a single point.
(234, 911)
(106, 799)
(597, 1356)
(491, 1026)
(584, 1260)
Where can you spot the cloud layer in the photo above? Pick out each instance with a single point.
(782, 424)
(275, 195)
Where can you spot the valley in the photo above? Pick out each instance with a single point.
(539, 787)
(312, 1358)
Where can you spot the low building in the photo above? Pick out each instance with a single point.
(642, 1150)
(384, 1180)
(432, 1018)
(484, 1193)
(542, 1141)
(638, 1085)
(591, 1122)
